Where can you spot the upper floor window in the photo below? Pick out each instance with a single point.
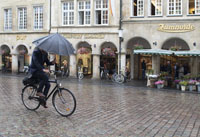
(38, 17)
(101, 11)
(68, 13)
(7, 19)
(155, 7)
(137, 8)
(22, 18)
(84, 12)
(174, 7)
(194, 7)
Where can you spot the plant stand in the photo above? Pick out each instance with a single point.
(190, 87)
(183, 88)
(198, 88)
(177, 86)
(159, 86)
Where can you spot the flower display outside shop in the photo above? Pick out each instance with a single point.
(192, 82)
(83, 50)
(108, 52)
(159, 82)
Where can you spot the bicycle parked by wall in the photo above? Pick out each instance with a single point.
(80, 74)
(63, 99)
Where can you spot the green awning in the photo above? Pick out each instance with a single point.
(187, 53)
(153, 52)
(167, 52)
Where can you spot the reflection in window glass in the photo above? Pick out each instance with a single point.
(156, 7)
(194, 7)
(138, 8)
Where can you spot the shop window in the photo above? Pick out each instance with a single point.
(155, 7)
(138, 8)
(194, 7)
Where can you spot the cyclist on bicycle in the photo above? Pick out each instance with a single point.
(39, 72)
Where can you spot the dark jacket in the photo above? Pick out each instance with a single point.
(38, 60)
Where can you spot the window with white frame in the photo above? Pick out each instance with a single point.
(84, 12)
(174, 7)
(155, 7)
(7, 19)
(137, 8)
(38, 17)
(101, 12)
(22, 18)
(68, 13)
(194, 7)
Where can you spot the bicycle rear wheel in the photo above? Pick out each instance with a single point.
(119, 78)
(29, 98)
(64, 102)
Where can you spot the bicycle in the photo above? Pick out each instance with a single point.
(104, 74)
(63, 99)
(80, 73)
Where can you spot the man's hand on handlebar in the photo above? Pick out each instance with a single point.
(46, 70)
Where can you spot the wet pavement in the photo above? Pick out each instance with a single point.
(104, 109)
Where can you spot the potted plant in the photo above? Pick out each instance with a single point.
(159, 84)
(176, 81)
(191, 84)
(183, 84)
(198, 86)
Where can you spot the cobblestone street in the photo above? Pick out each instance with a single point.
(102, 110)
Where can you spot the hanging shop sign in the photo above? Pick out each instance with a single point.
(176, 28)
(83, 50)
(108, 52)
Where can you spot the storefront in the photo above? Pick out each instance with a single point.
(23, 58)
(6, 59)
(84, 59)
(109, 58)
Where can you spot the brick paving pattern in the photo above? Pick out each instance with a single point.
(103, 110)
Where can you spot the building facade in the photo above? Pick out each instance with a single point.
(92, 27)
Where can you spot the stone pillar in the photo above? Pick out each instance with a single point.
(51, 58)
(0, 62)
(132, 66)
(30, 58)
(96, 66)
(72, 66)
(14, 63)
(194, 65)
(156, 64)
(123, 63)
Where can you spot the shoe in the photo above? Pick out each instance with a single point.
(40, 94)
(43, 103)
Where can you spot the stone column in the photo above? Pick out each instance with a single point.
(123, 63)
(194, 65)
(14, 63)
(156, 64)
(0, 62)
(132, 66)
(72, 66)
(51, 58)
(96, 65)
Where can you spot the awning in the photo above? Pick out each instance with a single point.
(167, 52)
(187, 53)
(153, 52)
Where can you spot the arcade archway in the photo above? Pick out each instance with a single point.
(23, 57)
(6, 59)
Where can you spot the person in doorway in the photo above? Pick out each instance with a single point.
(38, 71)
(181, 71)
(143, 69)
(65, 68)
(176, 71)
(169, 68)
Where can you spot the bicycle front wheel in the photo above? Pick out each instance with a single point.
(29, 98)
(64, 102)
(119, 78)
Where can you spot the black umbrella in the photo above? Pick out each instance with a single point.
(55, 43)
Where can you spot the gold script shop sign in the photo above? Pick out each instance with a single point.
(176, 28)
